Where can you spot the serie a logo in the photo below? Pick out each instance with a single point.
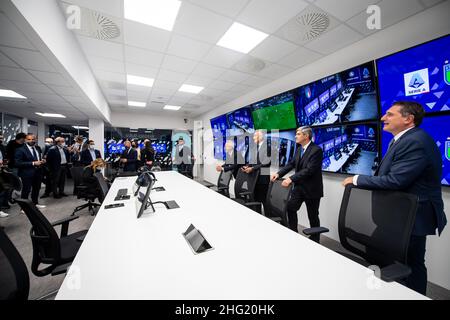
(447, 150)
(447, 72)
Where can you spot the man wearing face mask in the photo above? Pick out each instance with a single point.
(58, 158)
(129, 158)
(90, 154)
(46, 171)
(28, 160)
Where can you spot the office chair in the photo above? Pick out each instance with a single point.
(223, 183)
(102, 184)
(126, 174)
(12, 184)
(244, 186)
(49, 249)
(14, 279)
(376, 225)
(83, 192)
(277, 199)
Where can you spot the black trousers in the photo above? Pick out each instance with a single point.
(48, 181)
(59, 180)
(32, 184)
(417, 281)
(261, 196)
(312, 207)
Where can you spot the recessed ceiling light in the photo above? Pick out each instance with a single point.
(169, 107)
(137, 104)
(241, 38)
(80, 128)
(140, 81)
(191, 89)
(10, 94)
(157, 13)
(50, 115)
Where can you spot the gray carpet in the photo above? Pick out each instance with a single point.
(18, 227)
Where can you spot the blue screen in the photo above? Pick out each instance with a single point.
(219, 128)
(241, 119)
(438, 128)
(420, 74)
(347, 96)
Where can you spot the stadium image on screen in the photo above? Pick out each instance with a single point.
(275, 113)
(219, 128)
(346, 96)
(420, 74)
(438, 127)
(349, 149)
(240, 121)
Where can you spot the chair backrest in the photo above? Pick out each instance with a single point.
(277, 199)
(45, 240)
(376, 224)
(77, 175)
(245, 182)
(127, 174)
(10, 181)
(102, 183)
(14, 279)
(224, 178)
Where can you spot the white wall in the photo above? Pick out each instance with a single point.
(420, 28)
(142, 120)
(97, 133)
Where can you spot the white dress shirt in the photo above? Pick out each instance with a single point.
(35, 150)
(62, 154)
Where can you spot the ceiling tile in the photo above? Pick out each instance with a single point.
(28, 87)
(137, 95)
(165, 91)
(334, 40)
(198, 81)
(222, 57)
(143, 57)
(50, 78)
(208, 71)
(273, 49)
(299, 58)
(101, 48)
(65, 91)
(174, 63)
(145, 36)
(112, 7)
(269, 15)
(16, 74)
(234, 76)
(12, 36)
(28, 59)
(188, 48)
(344, 9)
(110, 76)
(228, 8)
(142, 71)
(7, 62)
(221, 85)
(201, 24)
(256, 81)
(105, 64)
(160, 83)
(430, 3)
(275, 71)
(172, 76)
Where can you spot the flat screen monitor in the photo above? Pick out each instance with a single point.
(420, 74)
(349, 149)
(284, 142)
(437, 126)
(144, 198)
(219, 128)
(275, 113)
(196, 240)
(357, 101)
(240, 121)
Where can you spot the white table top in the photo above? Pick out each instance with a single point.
(123, 257)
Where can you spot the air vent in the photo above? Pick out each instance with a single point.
(250, 64)
(313, 24)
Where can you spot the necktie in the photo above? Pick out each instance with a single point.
(391, 144)
(302, 151)
(35, 157)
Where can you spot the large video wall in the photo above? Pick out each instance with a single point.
(345, 108)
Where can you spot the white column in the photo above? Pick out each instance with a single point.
(24, 125)
(41, 134)
(97, 133)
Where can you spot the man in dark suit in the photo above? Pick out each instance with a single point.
(412, 164)
(183, 156)
(307, 180)
(233, 161)
(129, 158)
(11, 150)
(46, 171)
(58, 158)
(259, 159)
(90, 154)
(28, 160)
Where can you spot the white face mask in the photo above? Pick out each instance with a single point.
(92, 147)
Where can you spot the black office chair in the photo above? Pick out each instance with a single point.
(14, 279)
(376, 226)
(104, 188)
(82, 191)
(244, 186)
(223, 183)
(49, 249)
(277, 199)
(126, 174)
(12, 184)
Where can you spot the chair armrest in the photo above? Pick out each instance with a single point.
(246, 194)
(64, 224)
(61, 269)
(222, 188)
(395, 272)
(314, 231)
(255, 206)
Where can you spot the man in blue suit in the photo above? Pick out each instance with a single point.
(58, 159)
(90, 154)
(412, 164)
(28, 160)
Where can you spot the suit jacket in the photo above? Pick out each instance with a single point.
(413, 164)
(46, 148)
(183, 156)
(131, 156)
(54, 158)
(233, 163)
(263, 160)
(23, 160)
(307, 178)
(86, 157)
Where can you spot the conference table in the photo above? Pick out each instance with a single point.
(123, 257)
(333, 116)
(336, 165)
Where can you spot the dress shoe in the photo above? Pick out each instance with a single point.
(40, 206)
(63, 195)
(57, 197)
(45, 196)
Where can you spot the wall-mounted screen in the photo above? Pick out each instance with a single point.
(349, 149)
(420, 74)
(275, 113)
(240, 121)
(347, 96)
(219, 128)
